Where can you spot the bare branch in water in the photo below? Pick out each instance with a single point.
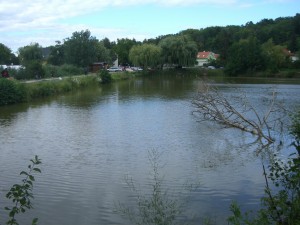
(236, 111)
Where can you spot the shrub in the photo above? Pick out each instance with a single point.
(68, 70)
(51, 70)
(34, 70)
(105, 77)
(42, 89)
(11, 92)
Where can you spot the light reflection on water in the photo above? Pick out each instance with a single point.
(90, 141)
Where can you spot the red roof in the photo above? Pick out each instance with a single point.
(203, 55)
(206, 55)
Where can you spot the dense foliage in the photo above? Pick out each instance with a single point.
(11, 92)
(178, 50)
(105, 77)
(31, 58)
(145, 55)
(80, 49)
(6, 56)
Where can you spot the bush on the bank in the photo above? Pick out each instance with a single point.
(69, 70)
(105, 77)
(62, 71)
(54, 87)
(35, 70)
(42, 89)
(11, 92)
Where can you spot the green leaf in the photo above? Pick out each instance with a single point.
(23, 201)
(37, 170)
(31, 177)
(11, 213)
(34, 221)
(24, 173)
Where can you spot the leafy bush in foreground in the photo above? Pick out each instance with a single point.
(283, 206)
(11, 92)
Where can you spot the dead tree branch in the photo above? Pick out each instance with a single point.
(236, 111)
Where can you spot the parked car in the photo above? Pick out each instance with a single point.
(114, 69)
(129, 69)
(211, 67)
(136, 68)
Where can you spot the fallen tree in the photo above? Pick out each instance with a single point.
(237, 111)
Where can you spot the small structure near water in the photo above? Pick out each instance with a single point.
(95, 67)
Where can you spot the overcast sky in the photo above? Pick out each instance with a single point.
(45, 21)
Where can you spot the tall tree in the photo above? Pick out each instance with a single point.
(5, 54)
(32, 52)
(109, 46)
(103, 54)
(56, 56)
(179, 50)
(244, 56)
(122, 49)
(273, 55)
(145, 55)
(197, 36)
(31, 57)
(107, 43)
(80, 49)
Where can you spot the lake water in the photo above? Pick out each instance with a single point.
(93, 141)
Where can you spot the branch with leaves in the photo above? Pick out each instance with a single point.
(21, 194)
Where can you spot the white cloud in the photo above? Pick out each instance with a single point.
(28, 11)
(26, 21)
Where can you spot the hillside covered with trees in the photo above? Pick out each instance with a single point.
(265, 46)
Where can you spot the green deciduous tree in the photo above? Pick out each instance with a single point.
(122, 49)
(103, 54)
(146, 55)
(179, 50)
(56, 56)
(5, 54)
(80, 49)
(31, 57)
(32, 52)
(274, 56)
(245, 56)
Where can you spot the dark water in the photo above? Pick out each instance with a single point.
(91, 141)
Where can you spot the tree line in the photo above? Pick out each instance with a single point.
(249, 48)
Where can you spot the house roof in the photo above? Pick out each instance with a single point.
(206, 55)
(203, 55)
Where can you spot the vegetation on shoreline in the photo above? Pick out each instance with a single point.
(13, 91)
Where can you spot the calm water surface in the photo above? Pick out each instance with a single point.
(91, 141)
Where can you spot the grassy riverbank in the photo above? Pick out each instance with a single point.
(13, 91)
